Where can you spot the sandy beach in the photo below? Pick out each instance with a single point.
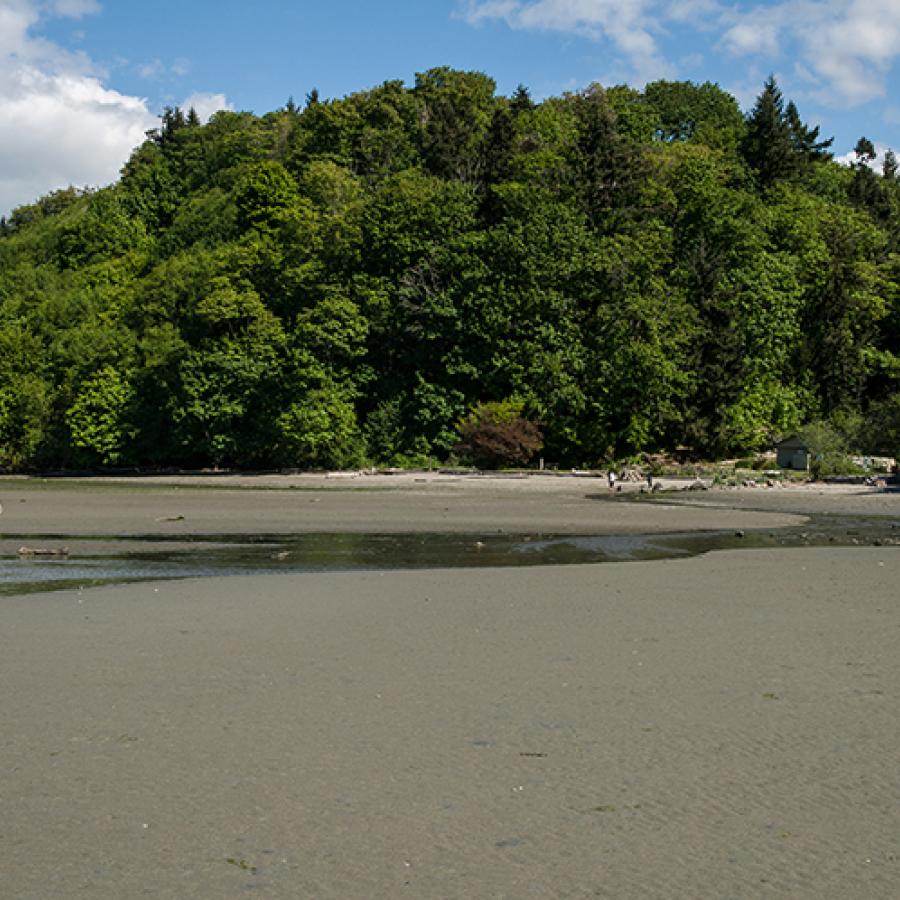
(718, 727)
(313, 503)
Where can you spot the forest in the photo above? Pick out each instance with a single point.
(376, 279)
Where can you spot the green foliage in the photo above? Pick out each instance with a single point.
(827, 449)
(320, 431)
(103, 230)
(644, 270)
(695, 112)
(764, 409)
(222, 387)
(880, 432)
(265, 196)
(777, 144)
(605, 161)
(384, 432)
(24, 414)
(456, 112)
(98, 419)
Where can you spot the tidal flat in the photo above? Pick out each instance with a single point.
(720, 725)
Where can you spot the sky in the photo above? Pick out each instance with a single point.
(81, 81)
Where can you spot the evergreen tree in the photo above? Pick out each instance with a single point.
(521, 101)
(777, 145)
(805, 140)
(173, 120)
(864, 152)
(604, 164)
(498, 146)
(456, 112)
(768, 145)
(868, 190)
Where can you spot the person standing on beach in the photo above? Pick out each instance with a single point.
(611, 478)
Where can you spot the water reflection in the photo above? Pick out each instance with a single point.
(135, 559)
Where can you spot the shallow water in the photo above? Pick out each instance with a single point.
(121, 560)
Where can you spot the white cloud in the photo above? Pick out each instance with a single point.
(629, 24)
(61, 130)
(61, 126)
(151, 70)
(751, 37)
(846, 49)
(699, 13)
(205, 104)
(157, 70)
(73, 9)
(490, 9)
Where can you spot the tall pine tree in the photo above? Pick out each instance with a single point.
(777, 144)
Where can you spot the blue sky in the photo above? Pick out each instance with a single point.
(82, 79)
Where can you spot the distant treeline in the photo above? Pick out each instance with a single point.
(632, 271)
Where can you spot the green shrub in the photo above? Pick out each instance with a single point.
(828, 451)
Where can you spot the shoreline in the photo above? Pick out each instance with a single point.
(181, 507)
(404, 478)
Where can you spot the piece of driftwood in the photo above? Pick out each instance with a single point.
(44, 552)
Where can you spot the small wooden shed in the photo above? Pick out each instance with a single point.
(792, 453)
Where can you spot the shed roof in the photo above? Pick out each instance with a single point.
(792, 442)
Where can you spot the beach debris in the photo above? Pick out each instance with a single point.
(533, 755)
(242, 864)
(170, 519)
(740, 533)
(281, 554)
(43, 552)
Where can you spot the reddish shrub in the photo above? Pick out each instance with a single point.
(491, 441)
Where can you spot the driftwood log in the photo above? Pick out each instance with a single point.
(44, 552)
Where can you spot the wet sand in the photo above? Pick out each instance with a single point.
(720, 727)
(304, 504)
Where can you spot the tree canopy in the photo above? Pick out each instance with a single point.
(360, 279)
